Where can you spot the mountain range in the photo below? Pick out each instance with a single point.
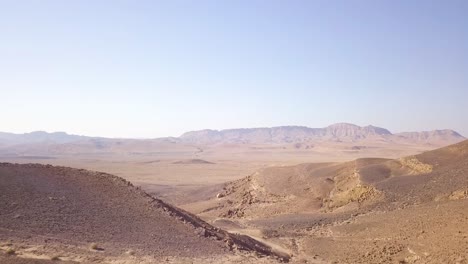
(336, 132)
(281, 134)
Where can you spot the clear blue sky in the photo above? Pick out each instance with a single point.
(159, 68)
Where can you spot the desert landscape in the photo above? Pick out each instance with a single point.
(288, 194)
(233, 132)
(193, 160)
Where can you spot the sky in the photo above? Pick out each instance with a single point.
(148, 69)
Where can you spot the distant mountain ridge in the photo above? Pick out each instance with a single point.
(277, 135)
(335, 132)
(39, 137)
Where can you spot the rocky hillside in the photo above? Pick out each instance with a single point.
(330, 187)
(407, 210)
(76, 210)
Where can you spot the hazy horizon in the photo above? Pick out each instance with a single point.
(152, 69)
(221, 129)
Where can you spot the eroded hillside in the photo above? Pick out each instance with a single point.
(407, 210)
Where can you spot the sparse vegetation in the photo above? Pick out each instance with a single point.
(10, 251)
(94, 246)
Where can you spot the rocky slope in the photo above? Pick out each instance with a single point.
(325, 187)
(407, 210)
(96, 217)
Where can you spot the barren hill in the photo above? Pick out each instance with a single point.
(322, 187)
(96, 217)
(407, 210)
